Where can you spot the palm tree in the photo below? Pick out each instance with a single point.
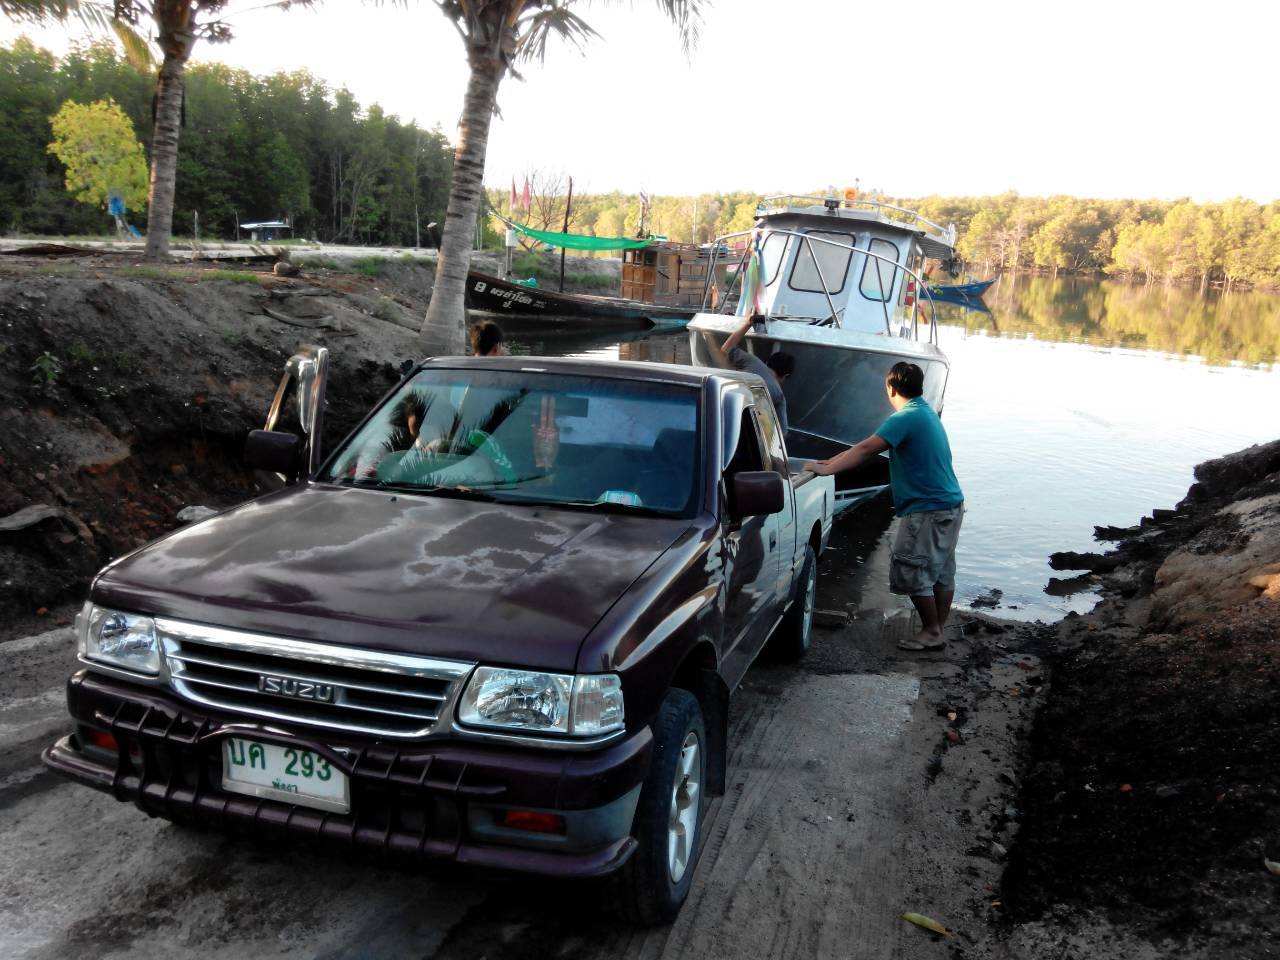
(498, 35)
(178, 25)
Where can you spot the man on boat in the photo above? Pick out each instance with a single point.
(926, 498)
(773, 371)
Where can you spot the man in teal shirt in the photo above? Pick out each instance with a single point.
(926, 498)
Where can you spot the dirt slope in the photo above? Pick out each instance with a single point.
(127, 392)
(1154, 790)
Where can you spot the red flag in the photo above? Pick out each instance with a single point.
(513, 193)
(524, 197)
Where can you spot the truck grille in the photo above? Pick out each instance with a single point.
(341, 688)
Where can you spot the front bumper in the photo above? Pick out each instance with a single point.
(429, 800)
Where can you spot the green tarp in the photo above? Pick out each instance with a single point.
(576, 241)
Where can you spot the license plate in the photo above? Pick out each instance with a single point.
(291, 774)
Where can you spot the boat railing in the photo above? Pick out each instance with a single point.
(891, 211)
(834, 318)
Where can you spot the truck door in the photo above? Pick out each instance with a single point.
(784, 554)
(750, 554)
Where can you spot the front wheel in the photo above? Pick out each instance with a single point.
(653, 885)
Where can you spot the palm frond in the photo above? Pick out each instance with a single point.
(686, 15)
(554, 18)
(96, 16)
(136, 48)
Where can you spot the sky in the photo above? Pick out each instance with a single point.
(1125, 98)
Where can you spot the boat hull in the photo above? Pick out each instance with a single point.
(961, 293)
(494, 295)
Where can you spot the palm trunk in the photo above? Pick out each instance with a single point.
(164, 159)
(444, 327)
(176, 37)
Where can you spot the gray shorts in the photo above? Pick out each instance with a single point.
(924, 552)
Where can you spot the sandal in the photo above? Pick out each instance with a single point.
(916, 647)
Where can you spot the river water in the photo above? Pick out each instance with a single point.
(1073, 404)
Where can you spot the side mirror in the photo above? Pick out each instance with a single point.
(274, 451)
(758, 493)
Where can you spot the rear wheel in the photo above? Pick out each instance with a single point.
(795, 632)
(653, 885)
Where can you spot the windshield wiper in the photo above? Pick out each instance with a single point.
(433, 490)
(609, 506)
(441, 490)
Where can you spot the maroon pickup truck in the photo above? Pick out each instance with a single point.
(499, 624)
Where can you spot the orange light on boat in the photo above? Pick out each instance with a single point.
(532, 821)
(104, 741)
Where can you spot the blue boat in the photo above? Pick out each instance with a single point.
(960, 293)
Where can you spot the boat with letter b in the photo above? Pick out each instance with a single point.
(838, 284)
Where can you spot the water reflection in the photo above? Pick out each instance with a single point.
(1220, 328)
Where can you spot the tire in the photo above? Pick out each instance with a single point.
(791, 640)
(653, 885)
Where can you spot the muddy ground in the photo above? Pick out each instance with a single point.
(1104, 787)
(1152, 796)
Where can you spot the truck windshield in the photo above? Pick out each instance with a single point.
(590, 442)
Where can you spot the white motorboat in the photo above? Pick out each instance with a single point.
(837, 283)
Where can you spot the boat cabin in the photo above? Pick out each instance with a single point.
(841, 261)
(670, 274)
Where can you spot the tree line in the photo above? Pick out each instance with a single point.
(284, 146)
(1221, 244)
(287, 146)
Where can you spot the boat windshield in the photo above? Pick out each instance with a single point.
(527, 436)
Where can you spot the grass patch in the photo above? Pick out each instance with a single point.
(369, 266)
(317, 263)
(59, 270)
(46, 370)
(81, 352)
(415, 260)
(145, 272)
(386, 309)
(233, 276)
(592, 281)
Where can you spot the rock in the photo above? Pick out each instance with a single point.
(830, 619)
(1110, 533)
(989, 599)
(28, 517)
(1097, 562)
(1068, 586)
(195, 514)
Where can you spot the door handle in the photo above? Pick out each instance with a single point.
(773, 540)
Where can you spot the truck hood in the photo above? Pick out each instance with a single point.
(494, 583)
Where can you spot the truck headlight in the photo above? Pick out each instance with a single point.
(125, 640)
(538, 702)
